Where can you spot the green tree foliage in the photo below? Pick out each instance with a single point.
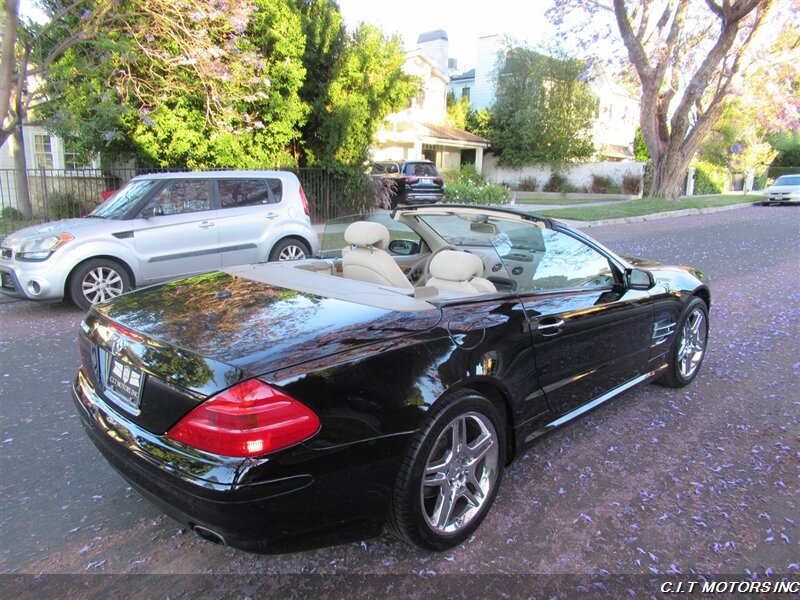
(544, 110)
(222, 83)
(326, 38)
(788, 146)
(368, 84)
(457, 110)
(214, 83)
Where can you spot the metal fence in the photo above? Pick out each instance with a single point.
(58, 193)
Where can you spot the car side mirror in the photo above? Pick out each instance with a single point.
(404, 247)
(151, 211)
(639, 279)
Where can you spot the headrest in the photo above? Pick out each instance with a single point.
(367, 233)
(452, 265)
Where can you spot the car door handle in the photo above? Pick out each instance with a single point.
(206, 224)
(272, 215)
(550, 326)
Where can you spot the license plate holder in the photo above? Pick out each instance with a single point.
(125, 382)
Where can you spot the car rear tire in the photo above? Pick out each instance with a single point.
(451, 472)
(689, 347)
(289, 249)
(96, 281)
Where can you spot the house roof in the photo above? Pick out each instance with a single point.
(446, 132)
(467, 75)
(431, 36)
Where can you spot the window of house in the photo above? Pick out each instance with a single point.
(72, 162)
(43, 151)
(465, 92)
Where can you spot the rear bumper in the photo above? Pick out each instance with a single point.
(420, 198)
(297, 499)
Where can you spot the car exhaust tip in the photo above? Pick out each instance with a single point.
(209, 536)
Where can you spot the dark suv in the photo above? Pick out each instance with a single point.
(412, 181)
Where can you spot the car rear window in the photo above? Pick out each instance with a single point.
(248, 192)
(421, 169)
(383, 168)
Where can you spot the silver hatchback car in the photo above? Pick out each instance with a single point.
(159, 227)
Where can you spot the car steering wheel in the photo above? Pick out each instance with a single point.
(420, 272)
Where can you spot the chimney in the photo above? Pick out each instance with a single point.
(435, 45)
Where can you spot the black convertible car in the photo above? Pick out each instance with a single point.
(389, 382)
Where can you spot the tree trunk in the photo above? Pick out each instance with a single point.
(21, 174)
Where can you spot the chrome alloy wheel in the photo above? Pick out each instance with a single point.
(292, 252)
(101, 284)
(692, 343)
(459, 473)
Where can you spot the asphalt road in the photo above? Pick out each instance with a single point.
(704, 479)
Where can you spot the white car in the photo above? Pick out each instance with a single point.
(785, 189)
(159, 227)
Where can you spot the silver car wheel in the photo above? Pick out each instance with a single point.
(101, 284)
(459, 473)
(292, 252)
(692, 343)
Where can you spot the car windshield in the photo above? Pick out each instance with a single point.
(787, 180)
(118, 206)
(332, 239)
(480, 230)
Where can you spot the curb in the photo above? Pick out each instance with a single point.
(663, 215)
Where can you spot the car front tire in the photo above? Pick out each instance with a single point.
(97, 281)
(689, 348)
(289, 249)
(451, 472)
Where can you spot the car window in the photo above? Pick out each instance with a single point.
(787, 180)
(421, 169)
(276, 187)
(125, 200)
(565, 262)
(180, 196)
(478, 230)
(245, 192)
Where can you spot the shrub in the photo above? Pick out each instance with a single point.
(703, 184)
(64, 205)
(600, 184)
(527, 184)
(468, 193)
(714, 179)
(12, 214)
(570, 188)
(631, 184)
(760, 181)
(464, 174)
(554, 184)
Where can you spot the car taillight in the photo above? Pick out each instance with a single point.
(249, 419)
(305, 202)
(411, 179)
(438, 180)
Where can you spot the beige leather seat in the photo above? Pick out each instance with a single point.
(366, 259)
(454, 271)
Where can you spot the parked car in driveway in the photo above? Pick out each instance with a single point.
(412, 181)
(784, 190)
(283, 405)
(159, 227)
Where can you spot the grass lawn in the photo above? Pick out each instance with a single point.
(562, 201)
(646, 206)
